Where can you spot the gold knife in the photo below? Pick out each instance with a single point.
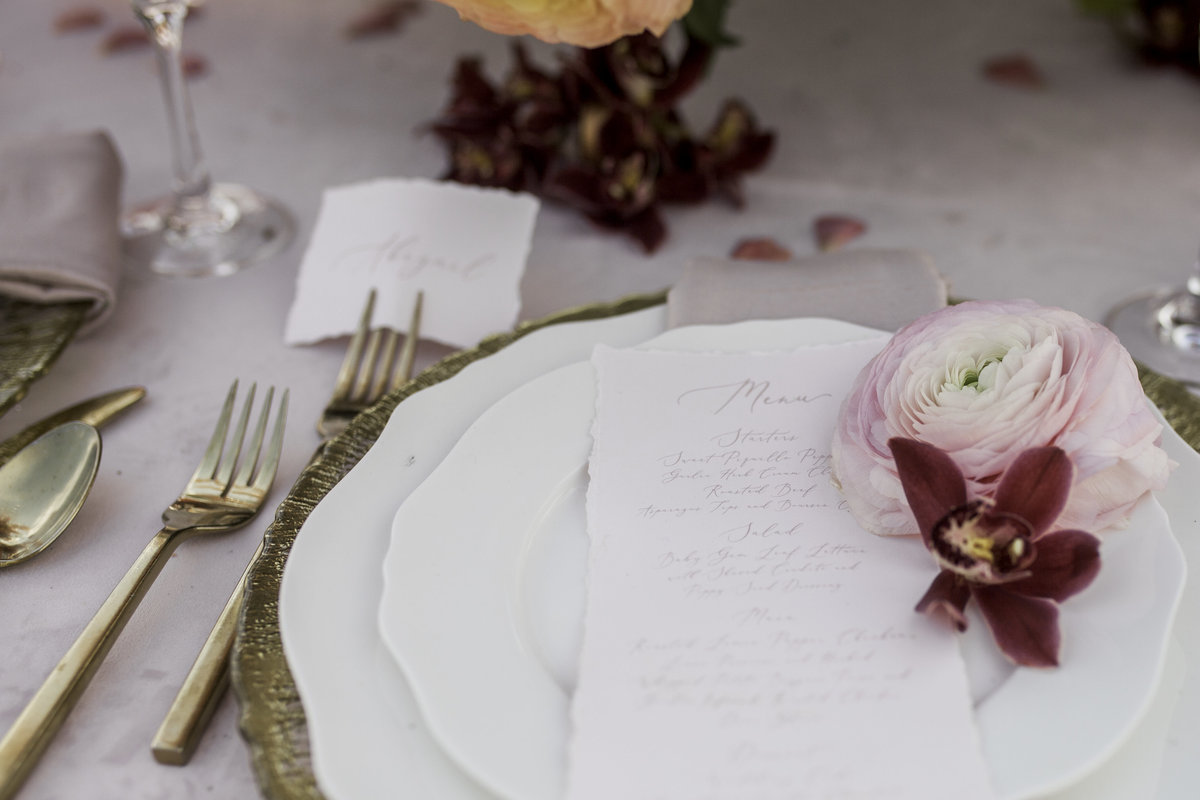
(95, 412)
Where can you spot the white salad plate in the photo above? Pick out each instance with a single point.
(369, 735)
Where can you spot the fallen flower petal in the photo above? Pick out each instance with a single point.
(760, 249)
(1014, 70)
(79, 18)
(834, 231)
(127, 37)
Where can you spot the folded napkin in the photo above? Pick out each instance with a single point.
(883, 289)
(59, 233)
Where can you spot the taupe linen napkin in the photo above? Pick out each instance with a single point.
(60, 239)
(883, 289)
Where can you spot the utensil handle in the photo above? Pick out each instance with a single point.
(25, 741)
(95, 411)
(206, 681)
(202, 688)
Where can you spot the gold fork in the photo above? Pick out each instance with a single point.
(214, 500)
(369, 370)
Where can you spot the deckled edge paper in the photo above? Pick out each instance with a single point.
(465, 247)
(744, 639)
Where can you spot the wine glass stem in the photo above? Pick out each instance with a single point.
(164, 22)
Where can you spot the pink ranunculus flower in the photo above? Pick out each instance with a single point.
(984, 381)
(588, 23)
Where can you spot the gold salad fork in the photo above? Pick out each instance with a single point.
(370, 369)
(214, 500)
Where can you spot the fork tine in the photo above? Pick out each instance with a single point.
(229, 458)
(270, 462)
(363, 381)
(384, 365)
(403, 371)
(350, 363)
(251, 456)
(208, 464)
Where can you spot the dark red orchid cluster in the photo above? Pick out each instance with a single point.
(1000, 551)
(602, 135)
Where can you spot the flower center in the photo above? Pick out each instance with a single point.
(981, 545)
(974, 373)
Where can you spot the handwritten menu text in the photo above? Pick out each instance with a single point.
(744, 638)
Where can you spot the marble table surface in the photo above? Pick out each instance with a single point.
(1077, 194)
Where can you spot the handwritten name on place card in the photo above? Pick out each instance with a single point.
(744, 639)
(465, 247)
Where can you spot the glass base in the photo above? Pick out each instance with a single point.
(1161, 330)
(216, 234)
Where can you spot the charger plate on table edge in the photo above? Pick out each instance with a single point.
(272, 719)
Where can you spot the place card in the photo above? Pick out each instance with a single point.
(464, 246)
(744, 639)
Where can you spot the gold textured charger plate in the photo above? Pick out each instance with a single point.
(272, 717)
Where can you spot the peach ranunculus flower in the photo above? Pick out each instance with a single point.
(587, 23)
(984, 381)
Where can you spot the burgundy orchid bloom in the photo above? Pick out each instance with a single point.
(602, 134)
(638, 71)
(998, 550)
(736, 145)
(476, 107)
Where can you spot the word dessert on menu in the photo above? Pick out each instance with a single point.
(744, 639)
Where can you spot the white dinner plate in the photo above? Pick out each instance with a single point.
(483, 600)
(367, 737)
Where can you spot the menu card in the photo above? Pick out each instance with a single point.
(744, 639)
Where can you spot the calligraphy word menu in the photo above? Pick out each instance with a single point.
(744, 639)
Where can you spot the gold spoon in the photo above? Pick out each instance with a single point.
(43, 487)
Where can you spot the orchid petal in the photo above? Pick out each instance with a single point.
(1025, 628)
(1067, 562)
(648, 229)
(933, 483)
(946, 595)
(1035, 487)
